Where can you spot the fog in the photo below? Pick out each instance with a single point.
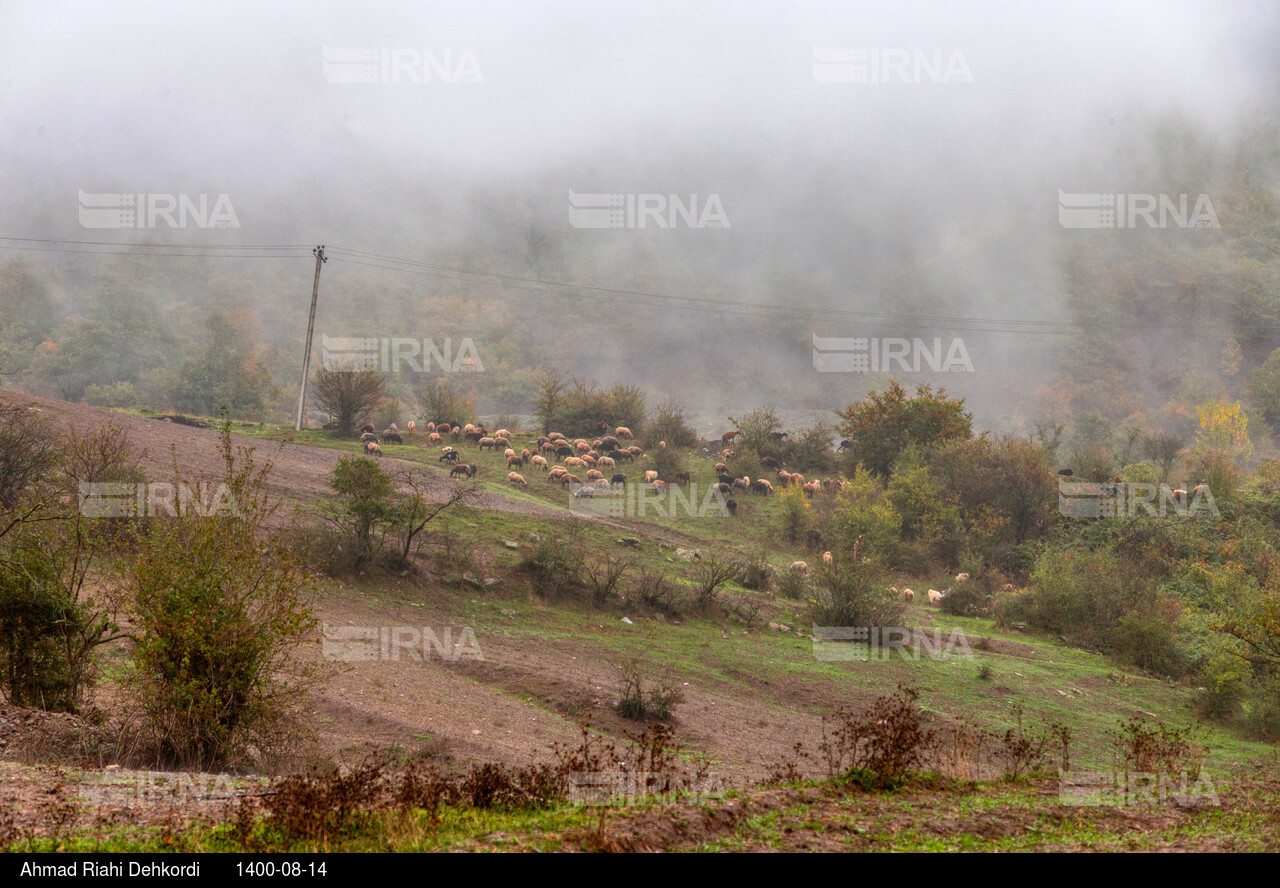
(910, 208)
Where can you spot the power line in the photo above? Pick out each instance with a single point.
(642, 298)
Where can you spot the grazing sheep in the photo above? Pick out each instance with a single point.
(1007, 587)
(564, 451)
(935, 597)
(761, 486)
(508, 453)
(367, 427)
(1066, 473)
(608, 442)
(684, 477)
(623, 432)
(518, 480)
(367, 437)
(961, 577)
(844, 445)
(727, 437)
(464, 469)
(660, 486)
(908, 596)
(431, 427)
(502, 433)
(500, 441)
(726, 454)
(514, 460)
(743, 483)
(650, 476)
(769, 462)
(413, 426)
(811, 488)
(826, 556)
(372, 447)
(449, 456)
(800, 567)
(556, 473)
(573, 461)
(582, 446)
(605, 462)
(567, 479)
(725, 478)
(784, 478)
(721, 467)
(552, 436)
(547, 447)
(485, 442)
(434, 438)
(392, 437)
(732, 506)
(589, 459)
(468, 429)
(594, 475)
(525, 456)
(539, 461)
(635, 451)
(456, 432)
(618, 478)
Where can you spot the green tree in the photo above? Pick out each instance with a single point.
(348, 395)
(881, 427)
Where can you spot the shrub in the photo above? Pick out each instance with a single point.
(852, 592)
(709, 575)
(221, 605)
(655, 591)
(795, 511)
(554, 566)
(668, 424)
(884, 743)
(755, 573)
(644, 695)
(602, 578)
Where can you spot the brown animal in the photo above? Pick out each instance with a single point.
(635, 451)
(518, 480)
(721, 467)
(908, 596)
(486, 442)
(501, 442)
(566, 480)
(727, 437)
(525, 456)
(372, 447)
(605, 463)
(514, 460)
(434, 438)
(431, 427)
(684, 477)
(573, 461)
(539, 461)
(463, 469)
(594, 475)
(413, 426)
(623, 432)
(502, 433)
(826, 556)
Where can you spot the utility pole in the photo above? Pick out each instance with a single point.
(311, 325)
